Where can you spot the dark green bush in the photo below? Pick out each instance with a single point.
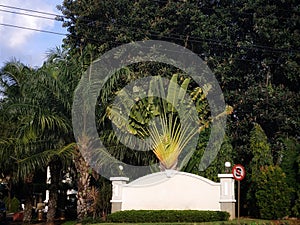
(14, 204)
(154, 216)
(272, 193)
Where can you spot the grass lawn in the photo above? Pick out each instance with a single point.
(232, 222)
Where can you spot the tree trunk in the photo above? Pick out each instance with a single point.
(52, 204)
(27, 211)
(55, 169)
(28, 200)
(83, 185)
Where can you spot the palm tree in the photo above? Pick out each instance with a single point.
(42, 133)
(15, 79)
(70, 70)
(54, 123)
(169, 132)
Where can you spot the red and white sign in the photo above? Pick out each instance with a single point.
(238, 172)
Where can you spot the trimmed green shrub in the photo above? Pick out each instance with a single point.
(155, 216)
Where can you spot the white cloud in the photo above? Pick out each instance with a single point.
(28, 46)
(15, 38)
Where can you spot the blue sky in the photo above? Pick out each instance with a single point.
(29, 47)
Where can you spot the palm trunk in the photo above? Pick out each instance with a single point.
(28, 200)
(52, 204)
(28, 211)
(83, 185)
(55, 168)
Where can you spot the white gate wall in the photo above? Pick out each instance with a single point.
(173, 190)
(182, 191)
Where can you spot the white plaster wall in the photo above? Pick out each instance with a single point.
(171, 190)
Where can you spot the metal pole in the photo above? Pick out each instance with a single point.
(239, 191)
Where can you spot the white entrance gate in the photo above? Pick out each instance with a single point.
(174, 190)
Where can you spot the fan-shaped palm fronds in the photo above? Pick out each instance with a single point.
(156, 118)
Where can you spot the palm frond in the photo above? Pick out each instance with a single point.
(168, 139)
(31, 163)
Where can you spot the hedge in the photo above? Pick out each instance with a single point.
(154, 216)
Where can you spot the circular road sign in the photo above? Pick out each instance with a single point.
(238, 172)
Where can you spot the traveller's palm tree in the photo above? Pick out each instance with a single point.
(169, 133)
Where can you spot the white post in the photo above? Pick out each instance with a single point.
(117, 186)
(227, 198)
(48, 181)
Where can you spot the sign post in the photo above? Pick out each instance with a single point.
(238, 172)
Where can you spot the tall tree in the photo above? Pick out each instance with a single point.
(252, 47)
(40, 111)
(15, 78)
(261, 157)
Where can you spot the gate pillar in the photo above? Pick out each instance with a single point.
(227, 197)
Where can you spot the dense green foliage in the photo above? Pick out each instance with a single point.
(261, 156)
(272, 193)
(290, 165)
(251, 46)
(36, 110)
(13, 205)
(155, 216)
(225, 154)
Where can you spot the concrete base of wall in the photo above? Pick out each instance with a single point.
(229, 207)
(116, 206)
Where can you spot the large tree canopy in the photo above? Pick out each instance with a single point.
(253, 47)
